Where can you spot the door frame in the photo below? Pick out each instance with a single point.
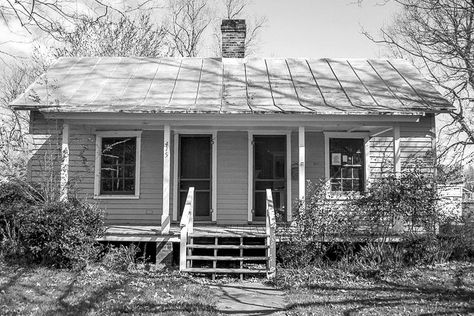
(213, 135)
(250, 193)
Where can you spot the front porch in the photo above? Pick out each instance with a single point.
(126, 233)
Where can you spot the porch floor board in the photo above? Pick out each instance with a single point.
(136, 233)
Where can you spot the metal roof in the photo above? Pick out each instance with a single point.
(216, 85)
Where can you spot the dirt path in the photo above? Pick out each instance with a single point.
(249, 298)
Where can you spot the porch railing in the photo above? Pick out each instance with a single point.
(186, 226)
(270, 226)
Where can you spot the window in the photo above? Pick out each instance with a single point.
(117, 164)
(346, 164)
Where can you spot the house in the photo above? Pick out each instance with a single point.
(135, 134)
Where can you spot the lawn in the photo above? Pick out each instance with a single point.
(36, 290)
(431, 290)
(443, 289)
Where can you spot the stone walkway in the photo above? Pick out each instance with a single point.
(249, 298)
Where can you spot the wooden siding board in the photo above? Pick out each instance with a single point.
(232, 183)
(314, 156)
(150, 199)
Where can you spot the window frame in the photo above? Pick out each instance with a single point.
(98, 164)
(365, 137)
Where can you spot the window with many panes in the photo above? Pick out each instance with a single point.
(118, 165)
(346, 164)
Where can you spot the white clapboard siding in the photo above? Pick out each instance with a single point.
(46, 137)
(146, 209)
(232, 177)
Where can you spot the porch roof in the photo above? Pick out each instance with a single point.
(232, 86)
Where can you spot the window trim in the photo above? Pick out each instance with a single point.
(98, 164)
(365, 137)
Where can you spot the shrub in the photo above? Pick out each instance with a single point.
(57, 233)
(318, 223)
(409, 200)
(120, 258)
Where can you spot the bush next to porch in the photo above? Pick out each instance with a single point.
(35, 228)
(394, 222)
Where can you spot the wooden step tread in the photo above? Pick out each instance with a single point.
(199, 246)
(227, 235)
(226, 258)
(224, 270)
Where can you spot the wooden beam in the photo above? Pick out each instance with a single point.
(64, 163)
(165, 216)
(302, 165)
(396, 150)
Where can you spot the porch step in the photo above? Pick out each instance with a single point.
(227, 252)
(225, 270)
(227, 258)
(227, 235)
(213, 246)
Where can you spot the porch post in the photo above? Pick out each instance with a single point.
(396, 150)
(64, 163)
(165, 216)
(302, 166)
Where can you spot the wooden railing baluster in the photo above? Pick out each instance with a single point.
(186, 226)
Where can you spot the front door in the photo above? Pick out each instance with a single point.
(195, 171)
(269, 173)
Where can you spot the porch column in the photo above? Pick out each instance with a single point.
(165, 216)
(64, 163)
(396, 150)
(302, 166)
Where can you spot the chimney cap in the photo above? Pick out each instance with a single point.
(233, 25)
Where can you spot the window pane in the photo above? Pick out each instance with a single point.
(346, 164)
(118, 165)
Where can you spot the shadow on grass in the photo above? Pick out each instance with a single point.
(456, 301)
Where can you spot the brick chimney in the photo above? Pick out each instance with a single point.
(233, 38)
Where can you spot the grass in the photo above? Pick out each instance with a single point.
(443, 289)
(36, 290)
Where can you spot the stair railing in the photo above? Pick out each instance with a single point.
(186, 226)
(270, 227)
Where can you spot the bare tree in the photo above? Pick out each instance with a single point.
(14, 125)
(437, 36)
(188, 19)
(111, 37)
(51, 17)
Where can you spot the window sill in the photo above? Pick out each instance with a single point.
(116, 197)
(343, 195)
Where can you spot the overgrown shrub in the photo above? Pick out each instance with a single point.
(404, 204)
(319, 223)
(56, 233)
(120, 258)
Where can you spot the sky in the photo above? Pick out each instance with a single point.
(322, 28)
(295, 28)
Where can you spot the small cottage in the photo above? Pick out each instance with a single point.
(181, 148)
